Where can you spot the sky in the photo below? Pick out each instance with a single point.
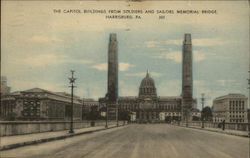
(40, 47)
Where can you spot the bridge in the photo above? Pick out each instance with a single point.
(140, 140)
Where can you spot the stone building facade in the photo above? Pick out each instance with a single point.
(40, 104)
(148, 106)
(89, 105)
(5, 89)
(232, 108)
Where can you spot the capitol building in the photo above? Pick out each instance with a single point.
(148, 106)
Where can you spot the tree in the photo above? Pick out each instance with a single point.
(248, 114)
(93, 114)
(207, 113)
(196, 118)
(124, 115)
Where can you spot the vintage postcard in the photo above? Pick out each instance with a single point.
(124, 79)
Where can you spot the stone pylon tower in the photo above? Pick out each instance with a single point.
(112, 93)
(112, 68)
(187, 78)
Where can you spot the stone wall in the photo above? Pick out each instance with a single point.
(8, 128)
(230, 126)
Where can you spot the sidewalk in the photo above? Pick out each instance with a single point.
(10, 142)
(219, 130)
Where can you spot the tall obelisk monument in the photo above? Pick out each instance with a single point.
(187, 78)
(112, 94)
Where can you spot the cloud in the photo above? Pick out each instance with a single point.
(152, 44)
(49, 59)
(101, 67)
(203, 42)
(44, 39)
(142, 74)
(206, 42)
(122, 66)
(225, 82)
(176, 56)
(125, 66)
(174, 42)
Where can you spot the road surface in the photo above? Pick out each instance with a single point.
(140, 141)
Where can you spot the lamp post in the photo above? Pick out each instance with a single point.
(187, 115)
(106, 126)
(179, 120)
(202, 112)
(72, 81)
(117, 120)
(248, 104)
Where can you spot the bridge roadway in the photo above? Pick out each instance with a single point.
(140, 141)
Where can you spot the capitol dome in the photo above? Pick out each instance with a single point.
(147, 88)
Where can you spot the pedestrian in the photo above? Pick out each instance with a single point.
(223, 125)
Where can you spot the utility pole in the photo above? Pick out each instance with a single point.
(117, 120)
(248, 105)
(72, 81)
(106, 126)
(182, 115)
(202, 112)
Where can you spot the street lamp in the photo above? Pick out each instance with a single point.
(248, 104)
(179, 120)
(187, 116)
(202, 111)
(106, 126)
(72, 81)
(117, 121)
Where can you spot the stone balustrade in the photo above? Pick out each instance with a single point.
(231, 126)
(8, 128)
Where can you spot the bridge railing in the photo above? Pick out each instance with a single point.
(8, 128)
(230, 126)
